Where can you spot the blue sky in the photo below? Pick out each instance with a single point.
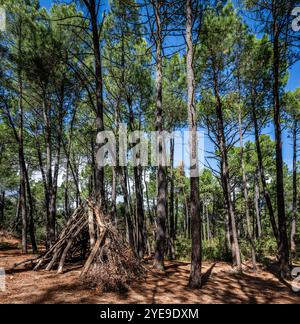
(293, 83)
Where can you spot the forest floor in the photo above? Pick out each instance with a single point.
(222, 285)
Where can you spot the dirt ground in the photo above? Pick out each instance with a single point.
(222, 285)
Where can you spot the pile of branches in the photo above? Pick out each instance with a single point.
(111, 264)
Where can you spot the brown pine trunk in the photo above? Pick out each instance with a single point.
(295, 194)
(225, 178)
(114, 195)
(283, 238)
(262, 174)
(257, 204)
(171, 210)
(207, 222)
(141, 239)
(50, 231)
(161, 170)
(23, 209)
(204, 233)
(176, 214)
(30, 212)
(66, 192)
(150, 212)
(246, 197)
(195, 273)
(140, 213)
(99, 172)
(129, 223)
(2, 207)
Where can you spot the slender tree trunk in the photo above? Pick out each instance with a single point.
(262, 175)
(161, 170)
(207, 222)
(295, 194)
(21, 153)
(151, 216)
(171, 210)
(50, 232)
(92, 232)
(246, 197)
(257, 204)
(129, 223)
(31, 213)
(114, 194)
(283, 238)
(176, 215)
(195, 274)
(66, 192)
(141, 239)
(140, 213)
(92, 7)
(226, 177)
(2, 207)
(229, 232)
(204, 233)
(67, 149)
(45, 185)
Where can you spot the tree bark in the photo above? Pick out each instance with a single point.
(283, 238)
(262, 174)
(50, 231)
(114, 195)
(31, 213)
(140, 213)
(257, 204)
(129, 223)
(161, 170)
(2, 207)
(93, 10)
(246, 196)
(171, 209)
(23, 210)
(225, 177)
(196, 262)
(295, 194)
(207, 222)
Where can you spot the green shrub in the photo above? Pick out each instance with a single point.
(266, 246)
(213, 250)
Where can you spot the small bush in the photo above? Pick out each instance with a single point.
(266, 246)
(213, 250)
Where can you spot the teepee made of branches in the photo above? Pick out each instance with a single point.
(107, 246)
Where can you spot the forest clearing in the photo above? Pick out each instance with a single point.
(223, 287)
(149, 151)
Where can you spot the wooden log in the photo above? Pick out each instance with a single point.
(67, 248)
(92, 232)
(93, 253)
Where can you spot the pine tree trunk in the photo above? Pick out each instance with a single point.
(30, 212)
(2, 207)
(140, 213)
(295, 194)
(129, 223)
(114, 195)
(257, 204)
(171, 210)
(151, 216)
(225, 178)
(196, 262)
(207, 222)
(161, 170)
(246, 197)
(262, 175)
(99, 172)
(283, 238)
